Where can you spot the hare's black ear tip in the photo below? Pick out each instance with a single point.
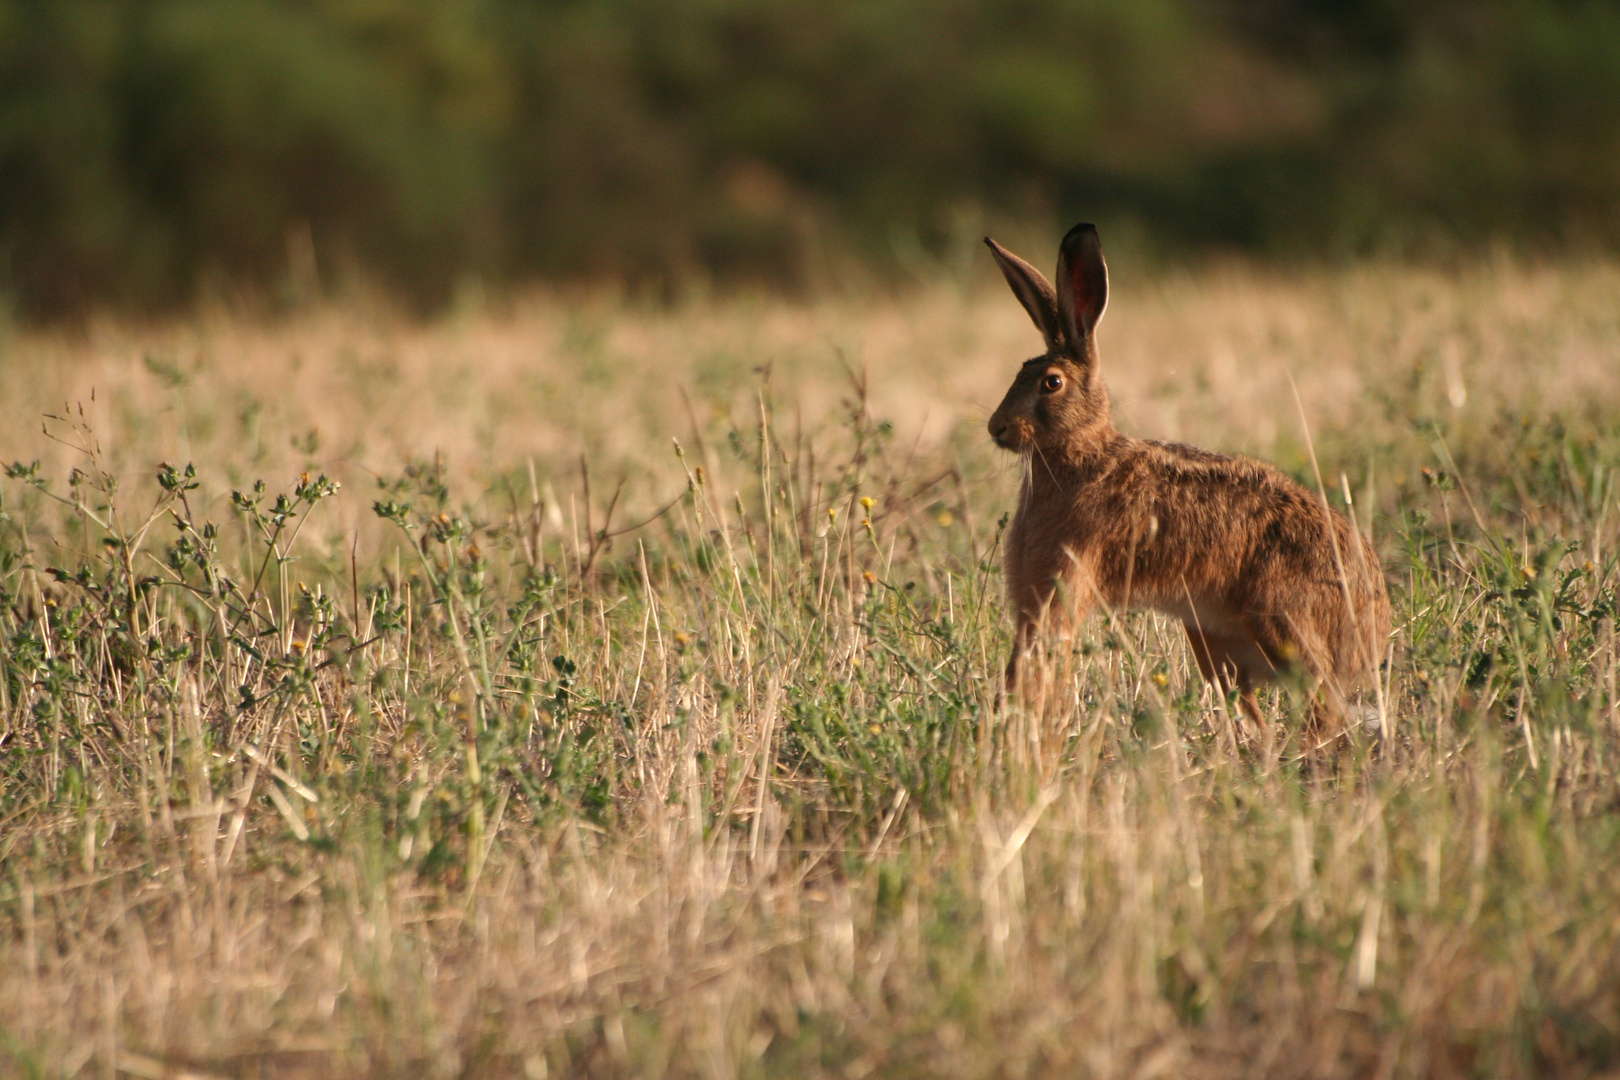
(991, 244)
(1082, 238)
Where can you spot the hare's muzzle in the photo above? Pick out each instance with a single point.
(1008, 434)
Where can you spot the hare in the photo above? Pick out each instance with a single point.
(1260, 571)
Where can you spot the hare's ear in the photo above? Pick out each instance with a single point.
(1082, 286)
(1033, 291)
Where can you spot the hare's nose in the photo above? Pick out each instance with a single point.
(998, 430)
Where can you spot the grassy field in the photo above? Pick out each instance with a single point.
(581, 689)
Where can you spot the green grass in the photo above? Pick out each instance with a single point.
(442, 774)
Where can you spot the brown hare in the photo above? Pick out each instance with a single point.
(1260, 571)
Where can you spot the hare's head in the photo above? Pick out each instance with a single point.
(1057, 404)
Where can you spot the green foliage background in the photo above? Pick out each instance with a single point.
(149, 148)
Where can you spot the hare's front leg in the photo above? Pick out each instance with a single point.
(1056, 616)
(1051, 591)
(1023, 634)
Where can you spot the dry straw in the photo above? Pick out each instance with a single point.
(421, 761)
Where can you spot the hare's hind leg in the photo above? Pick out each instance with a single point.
(1331, 714)
(1201, 642)
(1296, 645)
(1220, 664)
(1248, 702)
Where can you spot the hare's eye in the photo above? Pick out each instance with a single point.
(1052, 383)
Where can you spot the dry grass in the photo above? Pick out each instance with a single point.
(458, 786)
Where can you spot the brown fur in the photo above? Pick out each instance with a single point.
(1260, 571)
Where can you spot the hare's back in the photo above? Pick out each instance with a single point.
(1224, 520)
(1265, 529)
(1219, 494)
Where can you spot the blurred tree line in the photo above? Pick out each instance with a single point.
(150, 147)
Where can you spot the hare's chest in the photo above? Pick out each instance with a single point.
(1045, 549)
(1044, 530)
